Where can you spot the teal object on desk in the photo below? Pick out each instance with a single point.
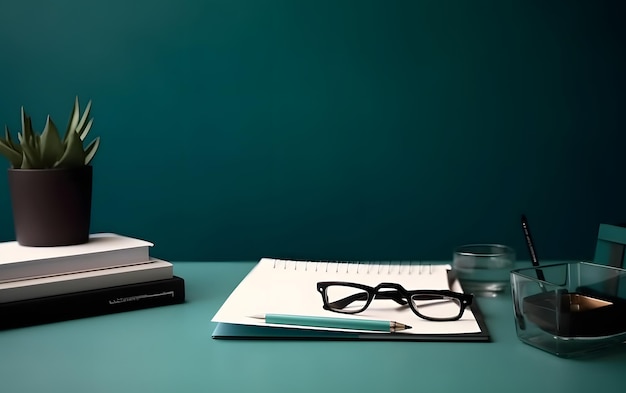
(333, 323)
(170, 349)
(611, 246)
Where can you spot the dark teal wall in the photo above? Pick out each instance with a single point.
(236, 129)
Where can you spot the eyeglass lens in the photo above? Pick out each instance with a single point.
(442, 307)
(348, 299)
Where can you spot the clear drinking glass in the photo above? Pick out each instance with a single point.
(483, 269)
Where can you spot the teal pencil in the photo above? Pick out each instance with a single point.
(337, 323)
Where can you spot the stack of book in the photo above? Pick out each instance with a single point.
(109, 274)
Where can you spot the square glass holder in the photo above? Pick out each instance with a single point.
(570, 309)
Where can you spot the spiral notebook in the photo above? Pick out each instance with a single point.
(279, 286)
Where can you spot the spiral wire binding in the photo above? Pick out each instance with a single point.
(363, 267)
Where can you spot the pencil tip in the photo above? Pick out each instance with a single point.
(397, 326)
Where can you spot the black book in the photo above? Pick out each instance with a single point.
(92, 303)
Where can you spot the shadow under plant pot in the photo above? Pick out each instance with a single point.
(51, 207)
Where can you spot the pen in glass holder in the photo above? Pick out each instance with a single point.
(531, 248)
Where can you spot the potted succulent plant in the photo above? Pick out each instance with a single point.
(50, 180)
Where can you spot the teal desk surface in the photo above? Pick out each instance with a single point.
(170, 349)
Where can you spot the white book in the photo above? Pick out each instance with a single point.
(104, 250)
(155, 269)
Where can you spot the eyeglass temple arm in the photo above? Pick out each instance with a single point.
(427, 297)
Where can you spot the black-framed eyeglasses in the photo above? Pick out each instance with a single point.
(432, 305)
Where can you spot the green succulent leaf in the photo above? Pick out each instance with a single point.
(27, 127)
(9, 140)
(74, 154)
(36, 143)
(91, 150)
(80, 127)
(74, 119)
(14, 156)
(48, 150)
(26, 164)
(85, 131)
(51, 145)
(30, 156)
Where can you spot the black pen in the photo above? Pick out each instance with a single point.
(531, 247)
